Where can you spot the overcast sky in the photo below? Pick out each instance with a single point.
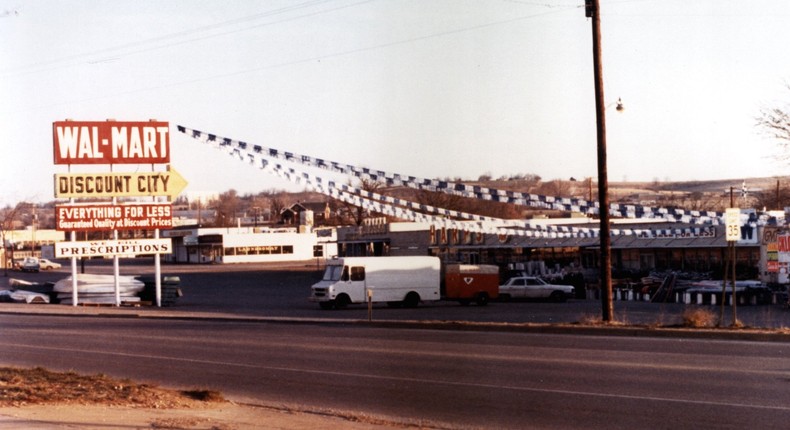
(431, 88)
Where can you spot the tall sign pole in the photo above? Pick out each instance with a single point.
(732, 219)
(607, 309)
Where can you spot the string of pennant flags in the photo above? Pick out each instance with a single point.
(358, 197)
(472, 191)
(492, 226)
(266, 159)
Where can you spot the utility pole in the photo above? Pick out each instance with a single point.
(592, 10)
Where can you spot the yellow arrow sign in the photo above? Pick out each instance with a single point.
(84, 185)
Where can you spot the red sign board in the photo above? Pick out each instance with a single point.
(104, 217)
(111, 142)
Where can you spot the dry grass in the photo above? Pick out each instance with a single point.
(19, 387)
(596, 320)
(699, 318)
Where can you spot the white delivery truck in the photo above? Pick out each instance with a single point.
(394, 280)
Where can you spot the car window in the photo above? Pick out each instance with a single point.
(533, 282)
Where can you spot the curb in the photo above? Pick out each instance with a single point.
(740, 334)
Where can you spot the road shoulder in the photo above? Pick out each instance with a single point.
(227, 416)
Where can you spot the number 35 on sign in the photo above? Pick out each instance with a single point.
(732, 220)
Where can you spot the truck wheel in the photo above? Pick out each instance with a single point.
(326, 305)
(342, 301)
(482, 299)
(412, 300)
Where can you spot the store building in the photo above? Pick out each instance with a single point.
(668, 247)
(250, 244)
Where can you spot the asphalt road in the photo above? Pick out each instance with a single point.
(457, 379)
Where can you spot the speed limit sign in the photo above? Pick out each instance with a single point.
(732, 220)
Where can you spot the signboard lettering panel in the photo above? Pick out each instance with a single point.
(111, 142)
(102, 217)
(110, 248)
(85, 185)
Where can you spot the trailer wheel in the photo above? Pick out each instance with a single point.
(482, 299)
(326, 305)
(412, 300)
(342, 301)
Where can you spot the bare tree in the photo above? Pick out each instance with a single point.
(227, 208)
(775, 121)
(772, 199)
(357, 214)
(8, 217)
(468, 205)
(277, 204)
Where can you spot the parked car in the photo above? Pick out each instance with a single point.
(48, 264)
(532, 287)
(30, 264)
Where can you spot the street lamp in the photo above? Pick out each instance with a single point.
(592, 10)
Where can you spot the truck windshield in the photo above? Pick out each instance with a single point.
(333, 273)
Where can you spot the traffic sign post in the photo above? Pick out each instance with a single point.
(732, 222)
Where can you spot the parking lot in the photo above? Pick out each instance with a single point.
(281, 290)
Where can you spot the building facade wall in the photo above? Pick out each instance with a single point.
(245, 245)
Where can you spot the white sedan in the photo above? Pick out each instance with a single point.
(531, 287)
(47, 264)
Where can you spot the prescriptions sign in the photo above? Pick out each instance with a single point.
(102, 217)
(110, 248)
(111, 142)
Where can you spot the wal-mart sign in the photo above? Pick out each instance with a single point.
(111, 142)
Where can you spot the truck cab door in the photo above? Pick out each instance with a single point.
(357, 284)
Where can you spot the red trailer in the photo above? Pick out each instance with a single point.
(471, 283)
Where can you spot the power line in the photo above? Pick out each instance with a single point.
(117, 51)
(311, 59)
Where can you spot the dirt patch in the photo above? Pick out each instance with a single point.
(37, 386)
(38, 398)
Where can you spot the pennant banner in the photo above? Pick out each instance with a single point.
(404, 209)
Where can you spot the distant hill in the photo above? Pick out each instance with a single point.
(711, 186)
